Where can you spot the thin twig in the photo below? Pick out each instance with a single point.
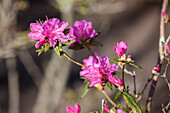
(123, 76)
(165, 108)
(149, 80)
(69, 58)
(134, 83)
(164, 74)
(91, 51)
(108, 98)
(127, 71)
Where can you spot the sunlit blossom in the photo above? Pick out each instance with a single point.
(121, 48)
(97, 68)
(81, 30)
(49, 31)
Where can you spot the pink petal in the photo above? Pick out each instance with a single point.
(77, 108)
(62, 26)
(168, 48)
(35, 27)
(113, 79)
(120, 82)
(120, 111)
(70, 109)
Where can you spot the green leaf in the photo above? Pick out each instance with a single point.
(169, 111)
(40, 50)
(126, 109)
(69, 42)
(109, 85)
(83, 78)
(57, 50)
(137, 66)
(117, 95)
(86, 89)
(34, 42)
(116, 60)
(47, 46)
(118, 106)
(131, 102)
(76, 47)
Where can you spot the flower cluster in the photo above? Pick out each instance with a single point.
(52, 31)
(81, 31)
(99, 71)
(49, 31)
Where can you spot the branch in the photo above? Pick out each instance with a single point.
(164, 74)
(156, 74)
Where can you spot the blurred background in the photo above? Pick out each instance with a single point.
(46, 84)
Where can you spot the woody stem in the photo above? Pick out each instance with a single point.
(108, 98)
(72, 60)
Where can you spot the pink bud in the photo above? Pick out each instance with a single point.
(164, 14)
(120, 82)
(106, 108)
(157, 68)
(121, 48)
(129, 57)
(129, 92)
(168, 48)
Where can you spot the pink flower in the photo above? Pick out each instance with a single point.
(106, 108)
(114, 81)
(106, 67)
(120, 111)
(70, 109)
(93, 75)
(97, 69)
(168, 48)
(121, 48)
(92, 61)
(81, 30)
(49, 31)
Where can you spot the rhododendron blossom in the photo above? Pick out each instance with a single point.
(106, 67)
(168, 48)
(81, 30)
(49, 31)
(120, 49)
(93, 75)
(76, 109)
(96, 69)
